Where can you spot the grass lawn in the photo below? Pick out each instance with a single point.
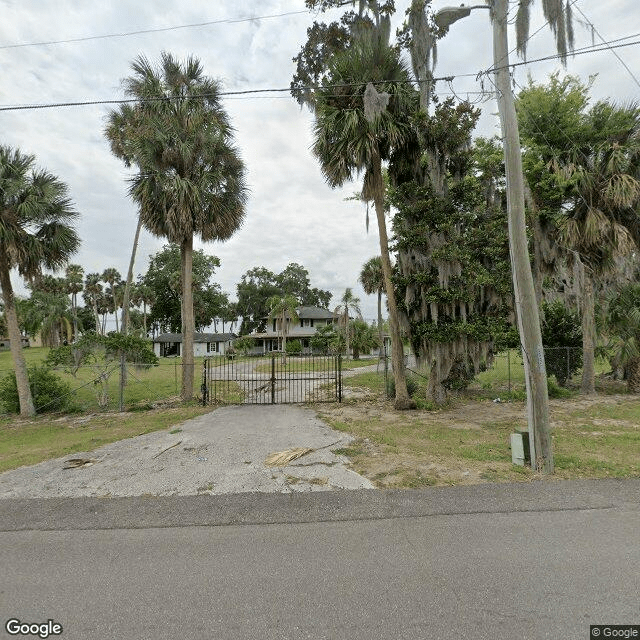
(468, 441)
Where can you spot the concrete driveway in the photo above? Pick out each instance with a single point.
(220, 452)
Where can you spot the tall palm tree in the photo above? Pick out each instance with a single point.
(355, 132)
(91, 294)
(35, 232)
(74, 274)
(601, 222)
(372, 282)
(285, 310)
(190, 178)
(112, 276)
(349, 305)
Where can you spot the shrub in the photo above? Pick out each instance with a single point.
(294, 347)
(562, 338)
(49, 392)
(412, 386)
(555, 390)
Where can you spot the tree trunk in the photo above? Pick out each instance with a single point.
(588, 385)
(402, 401)
(188, 322)
(633, 382)
(525, 297)
(27, 408)
(127, 287)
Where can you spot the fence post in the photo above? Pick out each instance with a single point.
(568, 367)
(273, 379)
(122, 381)
(339, 378)
(509, 369)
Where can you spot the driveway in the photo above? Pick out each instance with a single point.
(220, 452)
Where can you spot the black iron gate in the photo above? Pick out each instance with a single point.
(272, 379)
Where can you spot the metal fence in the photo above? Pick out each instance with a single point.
(504, 371)
(275, 379)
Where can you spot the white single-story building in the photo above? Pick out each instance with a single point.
(204, 344)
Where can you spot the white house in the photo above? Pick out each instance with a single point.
(204, 344)
(303, 329)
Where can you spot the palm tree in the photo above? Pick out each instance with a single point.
(349, 305)
(285, 310)
(74, 274)
(35, 233)
(601, 224)
(91, 294)
(623, 322)
(354, 132)
(112, 276)
(372, 282)
(190, 178)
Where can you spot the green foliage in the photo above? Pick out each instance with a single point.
(163, 281)
(49, 392)
(259, 284)
(364, 337)
(562, 339)
(555, 390)
(294, 347)
(328, 340)
(102, 353)
(413, 386)
(244, 344)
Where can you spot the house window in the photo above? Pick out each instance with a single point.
(212, 347)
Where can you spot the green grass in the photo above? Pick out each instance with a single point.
(143, 388)
(600, 441)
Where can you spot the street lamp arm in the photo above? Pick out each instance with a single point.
(448, 15)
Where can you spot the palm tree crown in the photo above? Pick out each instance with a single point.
(36, 232)
(191, 179)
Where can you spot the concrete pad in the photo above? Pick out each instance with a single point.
(220, 452)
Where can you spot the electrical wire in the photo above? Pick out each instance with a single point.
(624, 64)
(52, 105)
(145, 31)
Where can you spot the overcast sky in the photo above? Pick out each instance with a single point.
(292, 216)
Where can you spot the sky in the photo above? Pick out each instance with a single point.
(292, 214)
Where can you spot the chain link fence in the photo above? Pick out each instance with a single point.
(503, 373)
(118, 386)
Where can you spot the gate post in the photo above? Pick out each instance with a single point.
(204, 387)
(273, 379)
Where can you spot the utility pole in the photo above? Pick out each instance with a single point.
(524, 290)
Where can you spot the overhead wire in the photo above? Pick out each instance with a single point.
(157, 30)
(592, 49)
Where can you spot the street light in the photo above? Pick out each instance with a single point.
(448, 15)
(524, 291)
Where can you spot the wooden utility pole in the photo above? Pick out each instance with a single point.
(524, 290)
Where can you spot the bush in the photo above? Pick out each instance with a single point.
(562, 338)
(412, 385)
(555, 390)
(49, 392)
(294, 347)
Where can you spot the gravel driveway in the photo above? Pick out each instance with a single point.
(220, 452)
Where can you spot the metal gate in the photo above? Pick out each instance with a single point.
(272, 379)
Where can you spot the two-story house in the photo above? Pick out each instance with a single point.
(310, 319)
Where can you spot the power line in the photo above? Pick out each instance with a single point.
(81, 103)
(624, 64)
(126, 34)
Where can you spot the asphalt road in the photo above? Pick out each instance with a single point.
(543, 560)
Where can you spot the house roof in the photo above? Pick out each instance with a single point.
(197, 337)
(316, 313)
